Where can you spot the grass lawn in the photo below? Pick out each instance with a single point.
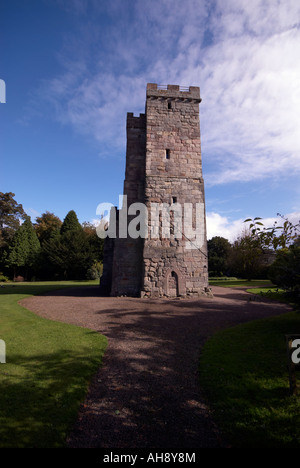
(47, 371)
(243, 371)
(235, 283)
(272, 293)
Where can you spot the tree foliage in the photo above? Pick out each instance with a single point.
(246, 257)
(95, 241)
(49, 249)
(46, 224)
(276, 236)
(285, 240)
(24, 249)
(70, 223)
(69, 254)
(11, 213)
(218, 254)
(285, 271)
(74, 250)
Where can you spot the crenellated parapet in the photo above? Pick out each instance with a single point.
(136, 121)
(173, 92)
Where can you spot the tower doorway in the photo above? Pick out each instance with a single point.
(173, 289)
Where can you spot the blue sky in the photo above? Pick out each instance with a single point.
(73, 69)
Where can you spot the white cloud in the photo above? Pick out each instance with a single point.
(248, 72)
(32, 213)
(218, 225)
(222, 226)
(251, 97)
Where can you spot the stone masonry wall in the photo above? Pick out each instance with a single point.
(163, 171)
(174, 175)
(127, 257)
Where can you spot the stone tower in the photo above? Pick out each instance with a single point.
(166, 253)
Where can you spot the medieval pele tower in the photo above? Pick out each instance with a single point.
(164, 175)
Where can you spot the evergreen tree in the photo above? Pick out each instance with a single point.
(24, 249)
(70, 252)
(70, 223)
(49, 268)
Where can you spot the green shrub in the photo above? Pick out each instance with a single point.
(3, 278)
(285, 271)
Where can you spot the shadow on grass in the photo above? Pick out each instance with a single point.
(68, 288)
(38, 409)
(245, 373)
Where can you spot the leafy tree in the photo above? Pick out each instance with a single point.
(246, 259)
(285, 240)
(10, 215)
(276, 236)
(95, 241)
(24, 249)
(218, 254)
(46, 224)
(96, 245)
(285, 271)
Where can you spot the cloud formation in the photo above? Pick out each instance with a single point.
(245, 56)
(219, 225)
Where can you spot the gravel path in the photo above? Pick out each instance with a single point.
(147, 394)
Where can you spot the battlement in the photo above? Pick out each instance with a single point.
(136, 121)
(191, 93)
(131, 115)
